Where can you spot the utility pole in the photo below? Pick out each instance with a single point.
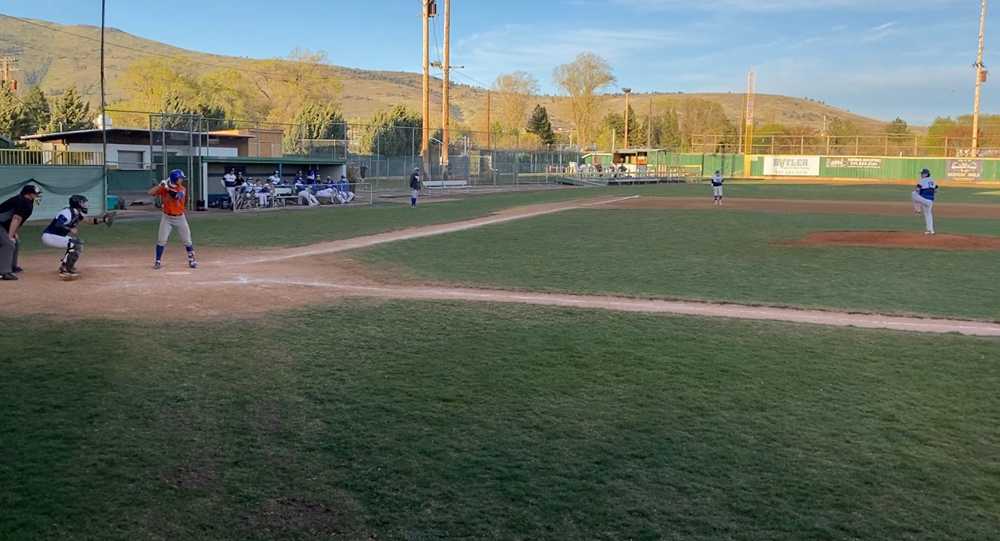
(981, 75)
(104, 122)
(489, 121)
(649, 124)
(445, 103)
(748, 123)
(627, 91)
(429, 10)
(6, 73)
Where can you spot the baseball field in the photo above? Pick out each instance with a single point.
(620, 363)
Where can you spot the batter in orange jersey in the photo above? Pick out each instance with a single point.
(173, 193)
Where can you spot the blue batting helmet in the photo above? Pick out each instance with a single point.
(176, 175)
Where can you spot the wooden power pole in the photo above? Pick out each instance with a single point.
(445, 102)
(980, 79)
(429, 9)
(6, 73)
(489, 121)
(649, 124)
(627, 91)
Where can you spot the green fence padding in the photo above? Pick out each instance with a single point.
(57, 184)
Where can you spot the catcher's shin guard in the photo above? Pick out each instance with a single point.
(72, 254)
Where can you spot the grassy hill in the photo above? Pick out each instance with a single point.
(59, 56)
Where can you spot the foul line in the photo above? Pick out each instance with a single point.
(419, 232)
(621, 304)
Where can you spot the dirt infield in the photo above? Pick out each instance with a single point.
(242, 283)
(899, 239)
(806, 206)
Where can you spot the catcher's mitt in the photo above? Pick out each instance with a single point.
(108, 218)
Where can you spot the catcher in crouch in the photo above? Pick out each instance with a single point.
(63, 232)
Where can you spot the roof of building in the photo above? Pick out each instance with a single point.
(137, 131)
(301, 160)
(636, 150)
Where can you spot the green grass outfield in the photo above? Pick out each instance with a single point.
(717, 255)
(299, 227)
(406, 420)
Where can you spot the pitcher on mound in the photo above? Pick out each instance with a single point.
(173, 193)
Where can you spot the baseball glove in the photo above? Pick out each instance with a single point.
(108, 218)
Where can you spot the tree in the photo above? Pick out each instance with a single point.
(613, 126)
(394, 132)
(898, 127)
(284, 86)
(13, 122)
(666, 132)
(36, 110)
(70, 112)
(314, 121)
(270, 90)
(697, 116)
(513, 92)
(582, 79)
(540, 125)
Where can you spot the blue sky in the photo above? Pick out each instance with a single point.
(881, 58)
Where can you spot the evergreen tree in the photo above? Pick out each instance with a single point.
(540, 125)
(36, 110)
(898, 127)
(394, 133)
(70, 112)
(13, 121)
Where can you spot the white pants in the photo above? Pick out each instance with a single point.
(55, 241)
(717, 191)
(926, 207)
(307, 198)
(327, 194)
(231, 190)
(168, 223)
(262, 198)
(346, 197)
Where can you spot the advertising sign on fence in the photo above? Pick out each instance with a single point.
(791, 166)
(854, 163)
(965, 169)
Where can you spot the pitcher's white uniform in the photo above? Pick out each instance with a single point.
(923, 199)
(717, 181)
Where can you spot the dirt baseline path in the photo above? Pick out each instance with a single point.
(241, 283)
(809, 206)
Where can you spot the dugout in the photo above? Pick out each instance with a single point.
(262, 168)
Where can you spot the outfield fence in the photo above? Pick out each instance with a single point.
(885, 145)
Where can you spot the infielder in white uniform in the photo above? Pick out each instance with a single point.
(229, 183)
(717, 181)
(923, 199)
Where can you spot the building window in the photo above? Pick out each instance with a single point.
(130, 159)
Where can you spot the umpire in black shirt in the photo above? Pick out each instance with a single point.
(13, 213)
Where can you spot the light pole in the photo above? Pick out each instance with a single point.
(627, 91)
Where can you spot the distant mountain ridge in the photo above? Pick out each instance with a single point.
(57, 56)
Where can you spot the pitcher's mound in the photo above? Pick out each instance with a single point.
(900, 239)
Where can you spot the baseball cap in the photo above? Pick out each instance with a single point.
(30, 189)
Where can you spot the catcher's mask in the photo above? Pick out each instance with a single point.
(79, 203)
